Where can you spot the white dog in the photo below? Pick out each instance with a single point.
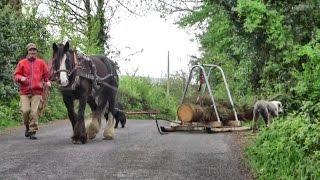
(265, 109)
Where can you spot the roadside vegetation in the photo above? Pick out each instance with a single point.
(268, 50)
(289, 149)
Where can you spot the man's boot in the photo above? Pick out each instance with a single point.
(26, 133)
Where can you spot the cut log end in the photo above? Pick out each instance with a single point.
(190, 113)
(185, 113)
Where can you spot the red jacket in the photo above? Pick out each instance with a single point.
(36, 71)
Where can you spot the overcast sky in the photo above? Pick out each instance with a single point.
(156, 37)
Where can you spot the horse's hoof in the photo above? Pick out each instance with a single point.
(75, 141)
(91, 137)
(92, 130)
(84, 140)
(108, 138)
(108, 134)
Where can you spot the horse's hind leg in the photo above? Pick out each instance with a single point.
(109, 130)
(95, 123)
(108, 133)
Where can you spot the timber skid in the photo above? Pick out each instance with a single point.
(209, 127)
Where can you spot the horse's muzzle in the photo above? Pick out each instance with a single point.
(63, 83)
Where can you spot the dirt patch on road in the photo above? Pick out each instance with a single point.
(242, 140)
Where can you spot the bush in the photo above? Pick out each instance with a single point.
(8, 114)
(141, 93)
(289, 149)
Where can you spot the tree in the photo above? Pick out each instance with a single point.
(87, 22)
(16, 31)
(14, 4)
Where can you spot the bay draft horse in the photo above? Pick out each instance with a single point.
(90, 79)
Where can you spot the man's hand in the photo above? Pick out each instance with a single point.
(22, 79)
(48, 83)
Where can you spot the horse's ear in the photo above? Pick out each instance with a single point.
(54, 47)
(66, 47)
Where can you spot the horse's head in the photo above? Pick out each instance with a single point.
(62, 63)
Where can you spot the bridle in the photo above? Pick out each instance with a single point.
(74, 67)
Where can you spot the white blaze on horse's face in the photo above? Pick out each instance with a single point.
(63, 72)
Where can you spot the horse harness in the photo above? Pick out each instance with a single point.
(80, 71)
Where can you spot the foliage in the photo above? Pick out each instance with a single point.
(95, 39)
(222, 46)
(8, 113)
(84, 25)
(289, 149)
(16, 32)
(141, 94)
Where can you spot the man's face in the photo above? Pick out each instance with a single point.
(32, 53)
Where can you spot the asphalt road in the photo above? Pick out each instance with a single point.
(138, 152)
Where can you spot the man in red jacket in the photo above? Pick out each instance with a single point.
(32, 75)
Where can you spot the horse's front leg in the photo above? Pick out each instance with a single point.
(69, 103)
(95, 123)
(79, 130)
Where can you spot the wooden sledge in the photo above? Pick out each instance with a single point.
(213, 127)
(197, 117)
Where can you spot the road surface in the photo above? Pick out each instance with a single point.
(138, 152)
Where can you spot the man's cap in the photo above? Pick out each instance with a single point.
(31, 46)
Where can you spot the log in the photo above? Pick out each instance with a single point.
(190, 113)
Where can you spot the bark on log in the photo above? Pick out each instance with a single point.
(188, 112)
